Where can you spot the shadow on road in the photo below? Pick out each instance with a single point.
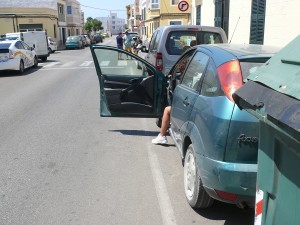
(228, 212)
(137, 132)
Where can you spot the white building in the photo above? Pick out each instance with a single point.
(112, 24)
(251, 21)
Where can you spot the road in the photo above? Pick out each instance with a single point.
(62, 164)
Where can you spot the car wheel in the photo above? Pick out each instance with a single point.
(49, 50)
(196, 196)
(44, 59)
(21, 67)
(35, 63)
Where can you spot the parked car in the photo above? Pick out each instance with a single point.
(169, 42)
(98, 38)
(35, 39)
(217, 141)
(52, 45)
(88, 40)
(73, 42)
(17, 55)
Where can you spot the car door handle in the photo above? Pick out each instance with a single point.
(186, 101)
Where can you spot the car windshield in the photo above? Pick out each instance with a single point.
(177, 41)
(73, 38)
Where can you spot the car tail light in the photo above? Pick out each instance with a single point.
(230, 76)
(159, 61)
(193, 29)
(11, 54)
(226, 195)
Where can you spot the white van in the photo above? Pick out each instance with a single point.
(169, 42)
(36, 39)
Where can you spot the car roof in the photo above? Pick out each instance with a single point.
(225, 52)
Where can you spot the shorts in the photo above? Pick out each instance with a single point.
(128, 48)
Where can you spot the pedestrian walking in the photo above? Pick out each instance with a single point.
(119, 39)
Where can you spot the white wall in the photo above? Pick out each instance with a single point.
(282, 21)
(239, 21)
(207, 13)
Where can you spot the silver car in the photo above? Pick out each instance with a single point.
(169, 42)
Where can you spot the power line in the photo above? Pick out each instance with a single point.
(101, 9)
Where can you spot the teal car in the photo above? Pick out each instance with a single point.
(74, 42)
(217, 141)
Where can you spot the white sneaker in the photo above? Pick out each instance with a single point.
(160, 140)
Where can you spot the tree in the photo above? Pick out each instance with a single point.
(92, 24)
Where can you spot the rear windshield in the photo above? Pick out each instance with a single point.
(249, 68)
(4, 45)
(178, 41)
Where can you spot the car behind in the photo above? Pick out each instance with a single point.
(74, 42)
(16, 55)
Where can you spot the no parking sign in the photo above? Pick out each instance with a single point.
(183, 6)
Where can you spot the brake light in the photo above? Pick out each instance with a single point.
(230, 76)
(193, 29)
(159, 61)
(226, 195)
(11, 54)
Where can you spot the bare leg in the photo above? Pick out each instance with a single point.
(165, 121)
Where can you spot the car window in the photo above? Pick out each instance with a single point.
(249, 67)
(182, 63)
(211, 85)
(195, 70)
(154, 41)
(26, 46)
(111, 66)
(4, 45)
(19, 45)
(178, 41)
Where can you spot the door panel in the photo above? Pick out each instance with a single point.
(130, 87)
(186, 93)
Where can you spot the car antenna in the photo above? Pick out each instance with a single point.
(234, 30)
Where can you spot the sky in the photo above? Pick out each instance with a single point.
(101, 8)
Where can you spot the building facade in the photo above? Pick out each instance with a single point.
(112, 24)
(59, 18)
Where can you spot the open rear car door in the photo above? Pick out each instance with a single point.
(129, 85)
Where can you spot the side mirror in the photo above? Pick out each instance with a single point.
(178, 75)
(144, 49)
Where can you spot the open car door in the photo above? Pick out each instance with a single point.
(129, 85)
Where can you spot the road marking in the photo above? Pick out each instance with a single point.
(104, 63)
(122, 63)
(67, 64)
(50, 64)
(67, 68)
(162, 194)
(86, 63)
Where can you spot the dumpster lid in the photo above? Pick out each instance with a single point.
(282, 71)
(273, 91)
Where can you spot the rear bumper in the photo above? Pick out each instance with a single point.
(235, 178)
(11, 64)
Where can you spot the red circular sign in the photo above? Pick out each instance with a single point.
(183, 6)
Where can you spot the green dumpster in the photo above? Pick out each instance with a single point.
(272, 94)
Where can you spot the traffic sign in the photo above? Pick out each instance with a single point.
(183, 6)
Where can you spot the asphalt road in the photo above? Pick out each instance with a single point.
(62, 164)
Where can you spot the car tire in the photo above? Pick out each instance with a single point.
(35, 63)
(49, 50)
(195, 193)
(21, 67)
(44, 59)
